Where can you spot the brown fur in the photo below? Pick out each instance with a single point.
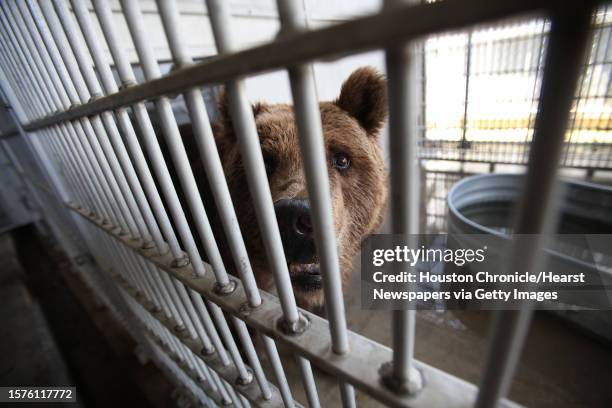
(351, 124)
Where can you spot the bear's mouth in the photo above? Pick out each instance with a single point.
(306, 277)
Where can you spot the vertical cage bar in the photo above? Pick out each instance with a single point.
(308, 120)
(151, 69)
(538, 208)
(178, 296)
(112, 170)
(209, 154)
(401, 63)
(110, 86)
(175, 145)
(314, 159)
(127, 78)
(310, 387)
(277, 369)
(248, 141)
(160, 168)
(14, 54)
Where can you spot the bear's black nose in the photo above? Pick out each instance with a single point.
(295, 226)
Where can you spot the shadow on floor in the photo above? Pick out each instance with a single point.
(102, 372)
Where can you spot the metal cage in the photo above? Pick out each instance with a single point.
(492, 131)
(100, 195)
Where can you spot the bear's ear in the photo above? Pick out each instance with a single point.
(364, 96)
(224, 116)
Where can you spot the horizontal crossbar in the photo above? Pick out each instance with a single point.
(442, 390)
(385, 29)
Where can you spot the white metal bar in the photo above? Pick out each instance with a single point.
(310, 386)
(208, 376)
(277, 369)
(66, 136)
(538, 209)
(248, 141)
(198, 374)
(227, 400)
(251, 355)
(110, 87)
(209, 154)
(52, 50)
(153, 286)
(13, 31)
(314, 159)
(170, 126)
(244, 375)
(161, 326)
(310, 132)
(68, 164)
(13, 96)
(209, 327)
(75, 142)
(162, 356)
(175, 145)
(175, 290)
(151, 144)
(27, 47)
(25, 68)
(65, 167)
(18, 90)
(233, 395)
(401, 64)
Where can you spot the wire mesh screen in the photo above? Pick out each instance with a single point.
(437, 185)
(481, 95)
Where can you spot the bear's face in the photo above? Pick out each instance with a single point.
(356, 174)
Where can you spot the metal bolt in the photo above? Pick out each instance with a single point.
(294, 329)
(245, 381)
(180, 262)
(411, 386)
(226, 289)
(208, 351)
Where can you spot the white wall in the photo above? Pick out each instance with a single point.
(255, 22)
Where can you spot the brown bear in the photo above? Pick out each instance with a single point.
(351, 128)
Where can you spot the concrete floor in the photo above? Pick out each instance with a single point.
(53, 334)
(30, 355)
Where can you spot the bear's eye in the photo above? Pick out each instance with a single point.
(341, 161)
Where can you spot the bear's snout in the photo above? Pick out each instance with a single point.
(295, 226)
